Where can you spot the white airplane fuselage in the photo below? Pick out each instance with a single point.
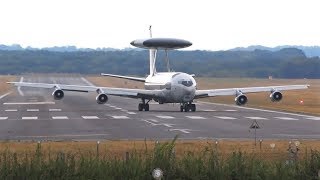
(176, 87)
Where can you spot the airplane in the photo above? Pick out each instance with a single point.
(163, 87)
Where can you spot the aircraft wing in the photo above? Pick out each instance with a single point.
(133, 93)
(235, 91)
(125, 77)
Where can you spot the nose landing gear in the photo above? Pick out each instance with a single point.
(186, 107)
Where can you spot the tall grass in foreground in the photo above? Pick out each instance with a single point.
(209, 164)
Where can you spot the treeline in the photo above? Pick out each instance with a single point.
(285, 63)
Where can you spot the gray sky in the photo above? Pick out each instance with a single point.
(208, 24)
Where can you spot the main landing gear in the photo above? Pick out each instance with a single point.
(143, 106)
(186, 107)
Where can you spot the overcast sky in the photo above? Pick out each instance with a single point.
(208, 24)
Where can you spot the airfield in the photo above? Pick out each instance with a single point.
(32, 114)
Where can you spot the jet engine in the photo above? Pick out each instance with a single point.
(241, 100)
(276, 96)
(58, 94)
(102, 98)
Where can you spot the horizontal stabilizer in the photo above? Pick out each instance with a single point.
(125, 77)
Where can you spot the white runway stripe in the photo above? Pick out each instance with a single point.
(28, 103)
(195, 117)
(257, 118)
(131, 113)
(11, 110)
(60, 117)
(231, 110)
(120, 117)
(3, 118)
(165, 117)
(90, 117)
(30, 118)
(287, 118)
(51, 110)
(209, 110)
(314, 118)
(32, 110)
(225, 117)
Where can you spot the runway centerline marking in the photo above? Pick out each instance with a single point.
(60, 117)
(120, 117)
(54, 110)
(257, 118)
(287, 118)
(32, 110)
(165, 117)
(90, 117)
(225, 117)
(231, 110)
(11, 110)
(3, 118)
(131, 112)
(28, 103)
(153, 120)
(195, 117)
(29, 118)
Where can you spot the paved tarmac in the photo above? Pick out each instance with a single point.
(33, 114)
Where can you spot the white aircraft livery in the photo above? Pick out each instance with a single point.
(163, 87)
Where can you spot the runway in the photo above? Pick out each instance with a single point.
(33, 114)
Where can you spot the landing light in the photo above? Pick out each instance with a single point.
(301, 101)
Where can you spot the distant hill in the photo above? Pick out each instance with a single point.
(310, 51)
(284, 63)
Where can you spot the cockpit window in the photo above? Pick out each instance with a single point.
(186, 83)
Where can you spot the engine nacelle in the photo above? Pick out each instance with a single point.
(102, 98)
(58, 94)
(241, 100)
(276, 96)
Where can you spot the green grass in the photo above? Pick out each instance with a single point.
(209, 163)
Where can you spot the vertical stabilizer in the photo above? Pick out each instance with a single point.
(153, 56)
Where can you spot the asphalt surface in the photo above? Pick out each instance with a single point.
(33, 114)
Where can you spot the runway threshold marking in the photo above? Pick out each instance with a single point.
(287, 118)
(29, 118)
(225, 117)
(195, 117)
(90, 117)
(27, 103)
(3, 118)
(257, 118)
(60, 117)
(165, 117)
(11, 110)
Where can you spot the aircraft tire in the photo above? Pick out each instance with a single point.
(193, 107)
(181, 108)
(140, 107)
(146, 107)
